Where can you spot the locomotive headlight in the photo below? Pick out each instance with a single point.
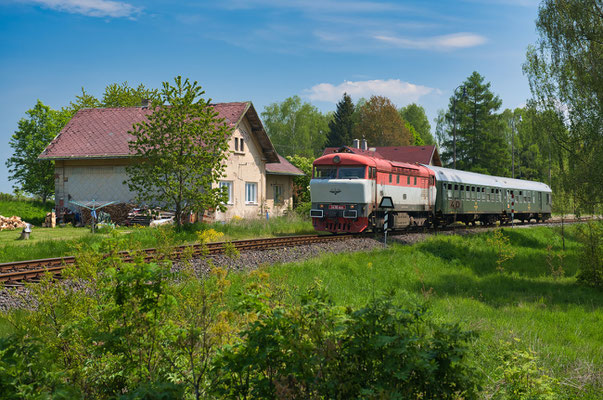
(352, 206)
(336, 159)
(322, 206)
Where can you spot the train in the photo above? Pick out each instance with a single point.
(352, 192)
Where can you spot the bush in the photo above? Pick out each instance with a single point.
(303, 210)
(590, 235)
(315, 350)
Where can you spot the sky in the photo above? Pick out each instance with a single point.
(260, 50)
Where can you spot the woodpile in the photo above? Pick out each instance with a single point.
(118, 212)
(50, 221)
(11, 223)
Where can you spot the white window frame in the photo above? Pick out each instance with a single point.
(228, 184)
(253, 193)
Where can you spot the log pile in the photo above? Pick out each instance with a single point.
(118, 212)
(11, 223)
(50, 221)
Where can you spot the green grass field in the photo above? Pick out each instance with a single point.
(30, 211)
(458, 279)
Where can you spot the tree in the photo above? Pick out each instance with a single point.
(480, 132)
(417, 140)
(565, 71)
(380, 124)
(296, 128)
(32, 175)
(342, 125)
(415, 115)
(180, 151)
(301, 184)
(122, 95)
(84, 100)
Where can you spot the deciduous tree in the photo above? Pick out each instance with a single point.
(179, 152)
(415, 115)
(380, 123)
(296, 128)
(34, 133)
(565, 71)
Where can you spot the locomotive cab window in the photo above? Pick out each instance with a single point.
(352, 173)
(325, 172)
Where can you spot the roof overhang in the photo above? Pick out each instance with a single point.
(258, 129)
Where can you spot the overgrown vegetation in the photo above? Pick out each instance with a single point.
(396, 322)
(140, 330)
(46, 242)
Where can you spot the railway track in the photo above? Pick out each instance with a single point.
(13, 274)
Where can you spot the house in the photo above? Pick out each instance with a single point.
(91, 154)
(427, 154)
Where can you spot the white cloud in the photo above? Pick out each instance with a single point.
(398, 91)
(92, 8)
(445, 42)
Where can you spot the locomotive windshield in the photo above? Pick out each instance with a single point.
(351, 172)
(325, 172)
(341, 172)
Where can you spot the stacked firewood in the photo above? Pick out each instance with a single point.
(11, 223)
(118, 212)
(50, 221)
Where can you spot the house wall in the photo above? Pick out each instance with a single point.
(286, 184)
(86, 180)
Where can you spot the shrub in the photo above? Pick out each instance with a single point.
(314, 350)
(590, 235)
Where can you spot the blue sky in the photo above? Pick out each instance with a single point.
(260, 50)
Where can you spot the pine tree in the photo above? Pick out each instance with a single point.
(342, 125)
(480, 132)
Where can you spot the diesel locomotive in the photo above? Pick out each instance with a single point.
(350, 193)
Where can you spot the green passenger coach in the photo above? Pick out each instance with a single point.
(469, 197)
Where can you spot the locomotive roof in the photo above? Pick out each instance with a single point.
(473, 178)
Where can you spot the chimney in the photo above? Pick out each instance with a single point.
(364, 145)
(144, 103)
(356, 144)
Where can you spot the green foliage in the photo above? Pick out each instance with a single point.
(303, 210)
(480, 132)
(301, 184)
(29, 210)
(590, 236)
(34, 133)
(415, 115)
(380, 124)
(417, 140)
(564, 70)
(502, 247)
(522, 378)
(315, 350)
(341, 127)
(181, 150)
(296, 128)
(122, 95)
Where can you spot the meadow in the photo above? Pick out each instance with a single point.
(530, 302)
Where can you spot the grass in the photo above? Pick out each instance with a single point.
(457, 278)
(62, 241)
(31, 211)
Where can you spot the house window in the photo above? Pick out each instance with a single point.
(228, 186)
(278, 194)
(251, 193)
(236, 144)
(241, 144)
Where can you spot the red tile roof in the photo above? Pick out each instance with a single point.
(407, 154)
(103, 132)
(283, 167)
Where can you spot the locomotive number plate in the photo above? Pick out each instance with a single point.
(336, 207)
